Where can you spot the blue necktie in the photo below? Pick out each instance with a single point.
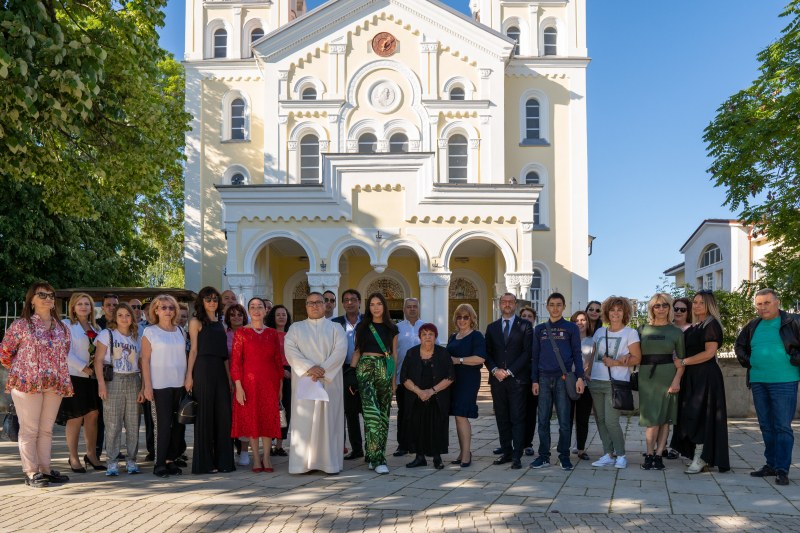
(506, 330)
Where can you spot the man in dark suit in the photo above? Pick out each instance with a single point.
(508, 349)
(351, 299)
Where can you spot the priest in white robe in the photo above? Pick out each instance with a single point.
(316, 349)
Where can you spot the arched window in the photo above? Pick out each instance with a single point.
(309, 93)
(457, 93)
(237, 179)
(238, 119)
(536, 293)
(457, 159)
(220, 44)
(513, 33)
(367, 144)
(550, 41)
(712, 254)
(256, 34)
(532, 127)
(398, 143)
(309, 159)
(532, 178)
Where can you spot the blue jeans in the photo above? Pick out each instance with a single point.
(553, 389)
(775, 406)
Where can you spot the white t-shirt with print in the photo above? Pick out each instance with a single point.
(125, 352)
(618, 343)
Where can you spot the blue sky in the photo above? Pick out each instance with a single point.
(659, 71)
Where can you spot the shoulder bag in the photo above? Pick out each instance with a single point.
(108, 369)
(621, 391)
(570, 380)
(11, 424)
(187, 409)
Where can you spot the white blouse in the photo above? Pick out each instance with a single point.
(167, 357)
(78, 356)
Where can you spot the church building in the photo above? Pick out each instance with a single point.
(397, 146)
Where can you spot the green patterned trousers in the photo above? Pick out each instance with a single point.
(375, 388)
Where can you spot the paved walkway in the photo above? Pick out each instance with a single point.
(480, 498)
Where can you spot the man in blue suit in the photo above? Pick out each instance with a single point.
(508, 349)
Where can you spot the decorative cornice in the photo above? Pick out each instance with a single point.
(326, 279)
(434, 279)
(429, 48)
(485, 73)
(337, 48)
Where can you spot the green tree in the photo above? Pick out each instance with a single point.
(92, 124)
(754, 141)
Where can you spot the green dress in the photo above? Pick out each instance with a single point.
(656, 405)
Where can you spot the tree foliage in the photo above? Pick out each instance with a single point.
(754, 141)
(92, 126)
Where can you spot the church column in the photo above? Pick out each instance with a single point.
(324, 281)
(533, 23)
(440, 283)
(426, 294)
(235, 51)
(336, 77)
(430, 70)
(242, 285)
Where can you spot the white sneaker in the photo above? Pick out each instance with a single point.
(606, 460)
(381, 469)
(244, 459)
(621, 462)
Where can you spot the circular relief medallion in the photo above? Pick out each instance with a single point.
(385, 96)
(384, 44)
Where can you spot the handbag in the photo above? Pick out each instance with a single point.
(621, 391)
(11, 424)
(108, 369)
(350, 380)
(570, 379)
(284, 418)
(187, 409)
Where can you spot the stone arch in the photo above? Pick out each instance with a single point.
(422, 253)
(249, 264)
(505, 249)
(343, 244)
(460, 81)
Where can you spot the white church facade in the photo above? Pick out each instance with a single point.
(397, 146)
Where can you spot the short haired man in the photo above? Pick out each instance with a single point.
(330, 303)
(110, 303)
(769, 347)
(547, 379)
(351, 300)
(407, 338)
(268, 305)
(228, 299)
(508, 359)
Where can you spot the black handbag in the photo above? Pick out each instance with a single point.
(634, 380)
(350, 380)
(11, 424)
(108, 369)
(187, 409)
(621, 391)
(570, 379)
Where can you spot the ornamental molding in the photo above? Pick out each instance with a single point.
(485, 73)
(324, 279)
(352, 146)
(442, 143)
(474, 143)
(434, 279)
(519, 279)
(292, 145)
(324, 145)
(283, 75)
(414, 146)
(337, 48)
(241, 280)
(429, 48)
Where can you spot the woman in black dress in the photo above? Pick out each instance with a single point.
(702, 429)
(427, 374)
(208, 379)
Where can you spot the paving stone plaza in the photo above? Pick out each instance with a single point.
(481, 498)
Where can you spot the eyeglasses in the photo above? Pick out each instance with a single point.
(463, 317)
(679, 309)
(315, 303)
(660, 306)
(167, 307)
(46, 295)
(209, 299)
(136, 307)
(330, 300)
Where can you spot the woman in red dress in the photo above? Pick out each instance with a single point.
(257, 373)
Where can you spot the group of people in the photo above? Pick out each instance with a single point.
(258, 379)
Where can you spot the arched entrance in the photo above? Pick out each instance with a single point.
(462, 291)
(391, 290)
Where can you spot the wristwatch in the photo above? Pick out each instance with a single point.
(461, 360)
(683, 362)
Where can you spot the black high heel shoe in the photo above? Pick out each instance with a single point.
(89, 463)
(79, 470)
(468, 463)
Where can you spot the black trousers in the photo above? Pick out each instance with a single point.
(149, 432)
(168, 432)
(510, 407)
(352, 407)
(400, 398)
(580, 414)
(213, 447)
(531, 414)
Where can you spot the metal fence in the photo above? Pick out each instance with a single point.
(9, 311)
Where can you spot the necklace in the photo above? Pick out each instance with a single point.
(460, 336)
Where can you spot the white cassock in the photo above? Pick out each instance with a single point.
(317, 427)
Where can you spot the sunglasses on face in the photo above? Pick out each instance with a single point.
(660, 306)
(591, 310)
(209, 299)
(167, 307)
(462, 317)
(46, 295)
(679, 309)
(136, 307)
(330, 300)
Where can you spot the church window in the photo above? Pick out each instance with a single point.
(309, 93)
(457, 159)
(457, 93)
(514, 33)
(256, 34)
(238, 119)
(532, 129)
(532, 178)
(309, 159)
(537, 293)
(220, 44)
(367, 144)
(398, 143)
(550, 41)
(237, 179)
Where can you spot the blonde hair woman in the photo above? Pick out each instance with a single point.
(659, 381)
(119, 346)
(467, 348)
(81, 410)
(163, 373)
(34, 349)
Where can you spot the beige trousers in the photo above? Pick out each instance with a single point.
(37, 413)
